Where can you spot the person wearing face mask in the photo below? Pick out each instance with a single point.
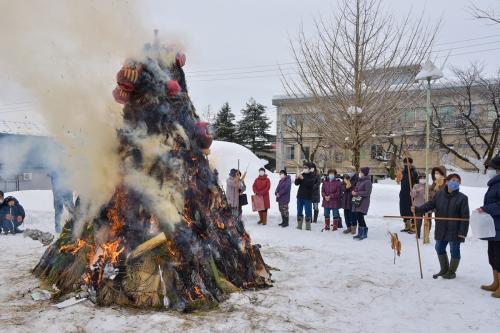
(492, 206)
(346, 205)
(418, 196)
(261, 186)
(361, 201)
(449, 203)
(305, 181)
(282, 194)
(404, 195)
(438, 175)
(316, 192)
(330, 191)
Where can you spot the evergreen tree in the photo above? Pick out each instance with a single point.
(224, 126)
(253, 128)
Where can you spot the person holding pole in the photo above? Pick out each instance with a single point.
(409, 176)
(449, 203)
(492, 206)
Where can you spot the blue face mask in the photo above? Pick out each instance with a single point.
(331, 177)
(453, 185)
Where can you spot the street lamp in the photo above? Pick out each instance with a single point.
(429, 72)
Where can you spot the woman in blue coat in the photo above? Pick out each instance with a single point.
(492, 206)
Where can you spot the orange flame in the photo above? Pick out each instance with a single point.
(198, 293)
(73, 248)
(112, 251)
(186, 217)
(114, 214)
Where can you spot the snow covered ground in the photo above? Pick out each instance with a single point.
(326, 282)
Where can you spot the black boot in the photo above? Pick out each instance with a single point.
(443, 262)
(285, 222)
(282, 221)
(452, 270)
(316, 213)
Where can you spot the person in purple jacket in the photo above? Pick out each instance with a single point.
(492, 206)
(330, 191)
(283, 197)
(361, 201)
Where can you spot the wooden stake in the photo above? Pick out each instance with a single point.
(147, 245)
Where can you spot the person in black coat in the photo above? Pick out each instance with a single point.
(405, 201)
(13, 215)
(448, 203)
(316, 192)
(305, 181)
(491, 206)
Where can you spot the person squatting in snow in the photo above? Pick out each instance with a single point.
(11, 215)
(282, 194)
(261, 187)
(492, 206)
(448, 203)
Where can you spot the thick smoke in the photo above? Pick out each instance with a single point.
(66, 54)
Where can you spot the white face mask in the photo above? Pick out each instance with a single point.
(361, 175)
(491, 173)
(312, 169)
(305, 171)
(282, 176)
(1, 201)
(421, 181)
(261, 173)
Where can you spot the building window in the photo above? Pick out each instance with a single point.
(339, 157)
(289, 120)
(376, 152)
(446, 112)
(290, 152)
(306, 155)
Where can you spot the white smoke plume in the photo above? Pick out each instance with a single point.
(67, 53)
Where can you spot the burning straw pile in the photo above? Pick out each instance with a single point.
(166, 239)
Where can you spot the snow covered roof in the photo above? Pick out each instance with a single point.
(21, 128)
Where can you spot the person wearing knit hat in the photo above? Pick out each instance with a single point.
(409, 178)
(491, 206)
(361, 201)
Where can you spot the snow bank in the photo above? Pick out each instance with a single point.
(34, 200)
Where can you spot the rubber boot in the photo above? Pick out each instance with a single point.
(353, 230)
(282, 221)
(413, 228)
(335, 224)
(339, 219)
(407, 226)
(264, 217)
(308, 223)
(364, 234)
(444, 264)
(300, 220)
(495, 285)
(451, 274)
(347, 231)
(260, 218)
(327, 223)
(360, 234)
(285, 223)
(316, 213)
(496, 294)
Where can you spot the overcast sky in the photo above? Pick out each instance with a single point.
(233, 46)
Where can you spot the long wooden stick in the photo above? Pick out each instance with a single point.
(427, 218)
(408, 169)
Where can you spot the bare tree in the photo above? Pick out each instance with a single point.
(359, 70)
(484, 13)
(298, 126)
(474, 128)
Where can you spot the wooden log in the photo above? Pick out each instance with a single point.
(147, 246)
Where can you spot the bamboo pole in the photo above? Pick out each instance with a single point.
(427, 218)
(408, 170)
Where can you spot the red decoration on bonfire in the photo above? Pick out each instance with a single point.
(173, 88)
(180, 59)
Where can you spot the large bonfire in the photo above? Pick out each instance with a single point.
(166, 238)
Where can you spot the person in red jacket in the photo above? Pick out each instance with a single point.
(261, 187)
